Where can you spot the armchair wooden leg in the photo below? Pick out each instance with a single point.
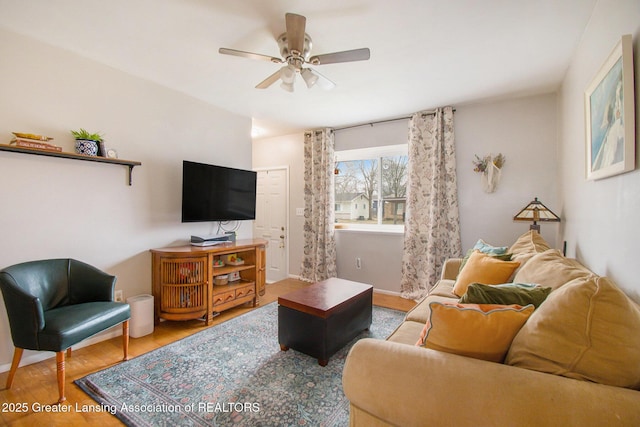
(17, 355)
(69, 352)
(60, 371)
(125, 339)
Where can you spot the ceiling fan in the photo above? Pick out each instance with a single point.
(295, 48)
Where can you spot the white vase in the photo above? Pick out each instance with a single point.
(490, 178)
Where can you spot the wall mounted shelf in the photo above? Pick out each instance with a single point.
(129, 163)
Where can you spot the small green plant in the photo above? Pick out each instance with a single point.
(84, 134)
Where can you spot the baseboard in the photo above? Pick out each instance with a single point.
(386, 292)
(30, 357)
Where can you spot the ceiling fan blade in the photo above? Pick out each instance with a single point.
(345, 56)
(295, 31)
(269, 80)
(323, 82)
(225, 51)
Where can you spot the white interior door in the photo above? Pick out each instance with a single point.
(271, 220)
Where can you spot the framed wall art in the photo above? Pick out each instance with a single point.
(610, 115)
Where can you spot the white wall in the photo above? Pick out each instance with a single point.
(380, 257)
(287, 150)
(601, 228)
(380, 253)
(66, 208)
(372, 135)
(524, 130)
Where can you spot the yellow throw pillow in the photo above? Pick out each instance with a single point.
(587, 330)
(485, 269)
(481, 331)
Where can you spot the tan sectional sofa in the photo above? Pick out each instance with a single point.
(575, 362)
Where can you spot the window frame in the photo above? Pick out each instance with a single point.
(373, 153)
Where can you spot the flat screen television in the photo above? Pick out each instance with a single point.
(217, 193)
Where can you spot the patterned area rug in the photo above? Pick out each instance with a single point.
(231, 374)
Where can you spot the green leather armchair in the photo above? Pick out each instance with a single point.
(54, 304)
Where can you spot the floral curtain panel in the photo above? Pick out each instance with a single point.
(319, 258)
(432, 227)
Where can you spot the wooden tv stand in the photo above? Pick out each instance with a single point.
(184, 279)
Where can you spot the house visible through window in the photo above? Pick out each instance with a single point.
(371, 187)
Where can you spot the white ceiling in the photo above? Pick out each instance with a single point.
(424, 53)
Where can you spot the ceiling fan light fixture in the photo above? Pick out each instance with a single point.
(287, 86)
(288, 74)
(309, 77)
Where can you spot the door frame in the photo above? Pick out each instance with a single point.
(286, 213)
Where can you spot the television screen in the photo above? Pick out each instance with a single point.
(217, 193)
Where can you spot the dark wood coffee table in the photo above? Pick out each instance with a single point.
(320, 319)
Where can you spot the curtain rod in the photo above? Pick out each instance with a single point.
(426, 113)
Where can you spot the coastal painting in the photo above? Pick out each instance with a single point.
(610, 117)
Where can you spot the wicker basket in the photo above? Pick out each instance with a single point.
(221, 280)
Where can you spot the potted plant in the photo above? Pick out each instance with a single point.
(87, 143)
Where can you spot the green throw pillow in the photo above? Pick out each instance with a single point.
(516, 293)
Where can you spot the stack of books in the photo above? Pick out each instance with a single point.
(30, 140)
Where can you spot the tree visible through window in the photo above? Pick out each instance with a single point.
(371, 190)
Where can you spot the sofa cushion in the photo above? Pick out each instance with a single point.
(481, 331)
(407, 332)
(70, 324)
(526, 246)
(512, 293)
(443, 288)
(420, 313)
(550, 268)
(529, 242)
(451, 268)
(485, 269)
(587, 330)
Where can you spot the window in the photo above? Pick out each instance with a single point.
(371, 187)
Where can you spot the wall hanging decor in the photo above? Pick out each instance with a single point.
(490, 169)
(610, 115)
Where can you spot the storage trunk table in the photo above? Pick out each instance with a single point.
(320, 319)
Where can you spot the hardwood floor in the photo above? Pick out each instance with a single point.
(35, 391)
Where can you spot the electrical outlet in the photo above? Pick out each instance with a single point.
(118, 296)
(299, 211)
(358, 263)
